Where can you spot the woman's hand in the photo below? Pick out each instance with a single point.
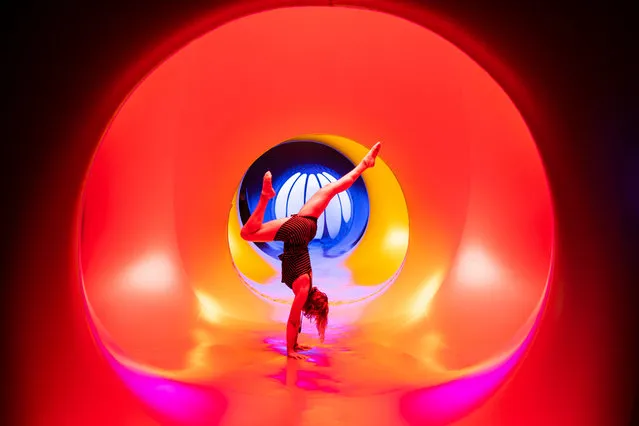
(301, 348)
(295, 355)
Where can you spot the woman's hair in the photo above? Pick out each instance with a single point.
(316, 309)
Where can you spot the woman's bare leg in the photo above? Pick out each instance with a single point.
(319, 201)
(254, 229)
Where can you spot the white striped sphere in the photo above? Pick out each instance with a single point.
(300, 187)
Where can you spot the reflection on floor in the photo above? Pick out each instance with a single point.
(243, 377)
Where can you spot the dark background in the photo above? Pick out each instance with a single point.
(579, 60)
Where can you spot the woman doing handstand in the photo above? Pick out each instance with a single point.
(297, 232)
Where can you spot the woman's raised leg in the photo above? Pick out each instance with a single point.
(254, 229)
(319, 201)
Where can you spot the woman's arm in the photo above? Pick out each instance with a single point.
(293, 324)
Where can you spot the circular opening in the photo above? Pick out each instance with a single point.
(159, 243)
(300, 167)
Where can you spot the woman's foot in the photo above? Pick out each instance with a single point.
(267, 186)
(369, 159)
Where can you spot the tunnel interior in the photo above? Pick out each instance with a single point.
(436, 263)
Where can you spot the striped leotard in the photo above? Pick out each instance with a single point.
(296, 233)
